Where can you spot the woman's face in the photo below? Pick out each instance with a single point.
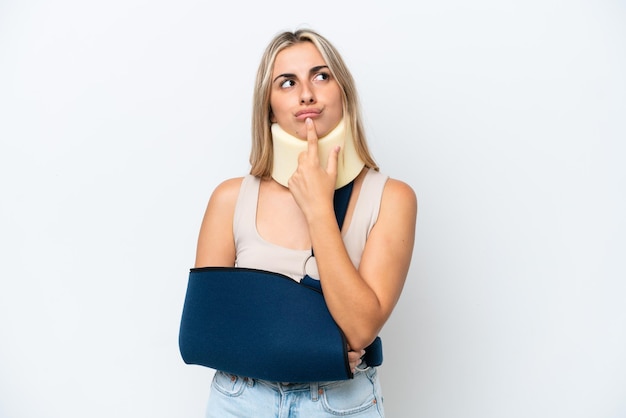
(302, 87)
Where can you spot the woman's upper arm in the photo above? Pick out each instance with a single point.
(389, 248)
(216, 243)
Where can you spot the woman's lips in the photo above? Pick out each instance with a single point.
(307, 113)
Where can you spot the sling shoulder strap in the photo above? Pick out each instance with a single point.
(341, 200)
(340, 203)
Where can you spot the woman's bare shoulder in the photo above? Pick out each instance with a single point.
(399, 192)
(227, 191)
(215, 242)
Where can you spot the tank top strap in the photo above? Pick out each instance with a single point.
(371, 197)
(365, 214)
(244, 218)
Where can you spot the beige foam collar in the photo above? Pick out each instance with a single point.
(287, 148)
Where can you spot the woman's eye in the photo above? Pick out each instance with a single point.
(321, 76)
(287, 83)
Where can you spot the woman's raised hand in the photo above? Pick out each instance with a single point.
(311, 185)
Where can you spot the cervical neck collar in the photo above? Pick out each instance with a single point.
(287, 148)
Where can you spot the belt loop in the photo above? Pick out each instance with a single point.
(315, 389)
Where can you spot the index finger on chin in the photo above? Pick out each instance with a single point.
(311, 137)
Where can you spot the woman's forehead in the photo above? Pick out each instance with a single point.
(301, 56)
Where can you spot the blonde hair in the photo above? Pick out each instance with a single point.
(261, 154)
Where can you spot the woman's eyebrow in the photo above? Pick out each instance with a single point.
(285, 75)
(311, 71)
(317, 68)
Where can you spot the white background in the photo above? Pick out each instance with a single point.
(118, 118)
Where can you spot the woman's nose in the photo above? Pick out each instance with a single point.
(306, 95)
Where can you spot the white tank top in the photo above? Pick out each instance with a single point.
(255, 252)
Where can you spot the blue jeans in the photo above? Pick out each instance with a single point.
(242, 397)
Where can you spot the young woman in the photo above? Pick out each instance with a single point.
(308, 140)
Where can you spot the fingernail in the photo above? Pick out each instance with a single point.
(308, 121)
(362, 352)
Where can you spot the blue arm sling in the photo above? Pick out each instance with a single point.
(264, 325)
